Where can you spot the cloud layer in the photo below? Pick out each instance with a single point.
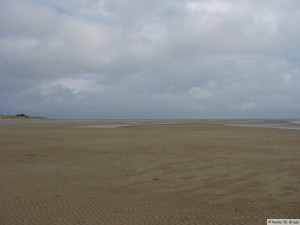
(150, 58)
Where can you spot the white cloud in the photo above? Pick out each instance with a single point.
(209, 6)
(79, 85)
(245, 106)
(199, 93)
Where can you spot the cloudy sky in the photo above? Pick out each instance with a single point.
(150, 58)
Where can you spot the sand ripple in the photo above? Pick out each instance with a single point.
(194, 174)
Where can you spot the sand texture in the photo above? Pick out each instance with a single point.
(200, 172)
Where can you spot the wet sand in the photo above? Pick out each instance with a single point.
(199, 172)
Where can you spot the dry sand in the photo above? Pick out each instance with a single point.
(189, 173)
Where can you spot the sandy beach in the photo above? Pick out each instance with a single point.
(193, 172)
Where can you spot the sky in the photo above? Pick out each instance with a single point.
(150, 59)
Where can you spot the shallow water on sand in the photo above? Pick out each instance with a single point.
(104, 126)
(127, 124)
(292, 125)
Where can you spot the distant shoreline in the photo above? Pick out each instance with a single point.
(14, 118)
(21, 117)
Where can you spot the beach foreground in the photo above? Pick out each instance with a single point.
(194, 172)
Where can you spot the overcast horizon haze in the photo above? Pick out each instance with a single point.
(150, 59)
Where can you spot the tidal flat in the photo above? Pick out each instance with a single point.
(147, 172)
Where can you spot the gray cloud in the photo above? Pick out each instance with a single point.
(150, 59)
